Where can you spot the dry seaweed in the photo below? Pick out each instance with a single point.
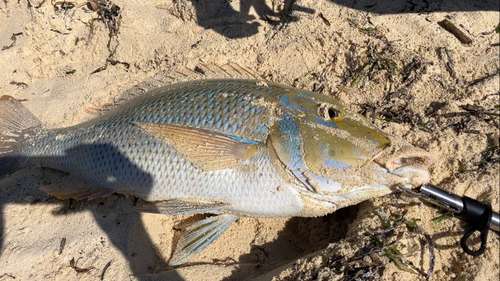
(368, 264)
(14, 39)
(8, 275)
(386, 242)
(446, 59)
(112, 62)
(20, 84)
(396, 105)
(105, 269)
(325, 20)
(72, 264)
(62, 245)
(489, 116)
(360, 70)
(109, 14)
(395, 256)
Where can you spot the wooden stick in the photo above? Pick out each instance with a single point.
(450, 27)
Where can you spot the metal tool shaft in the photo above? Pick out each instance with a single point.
(463, 207)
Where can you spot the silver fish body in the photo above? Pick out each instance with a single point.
(227, 147)
(113, 153)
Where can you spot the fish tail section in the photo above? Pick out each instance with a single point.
(199, 235)
(17, 124)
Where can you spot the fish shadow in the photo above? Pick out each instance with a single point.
(114, 214)
(300, 237)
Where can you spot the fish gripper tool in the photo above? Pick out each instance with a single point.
(478, 215)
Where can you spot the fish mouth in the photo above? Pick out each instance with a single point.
(411, 166)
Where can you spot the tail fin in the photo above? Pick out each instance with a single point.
(16, 123)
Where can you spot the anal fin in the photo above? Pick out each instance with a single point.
(73, 188)
(179, 206)
(199, 235)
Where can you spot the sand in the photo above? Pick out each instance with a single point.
(360, 53)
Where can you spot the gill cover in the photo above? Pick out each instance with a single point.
(316, 138)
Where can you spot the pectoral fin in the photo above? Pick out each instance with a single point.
(179, 206)
(199, 235)
(207, 150)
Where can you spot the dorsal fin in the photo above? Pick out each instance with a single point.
(228, 71)
(176, 75)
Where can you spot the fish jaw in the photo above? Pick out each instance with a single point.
(405, 163)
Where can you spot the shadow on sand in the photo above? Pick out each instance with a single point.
(418, 6)
(223, 18)
(115, 214)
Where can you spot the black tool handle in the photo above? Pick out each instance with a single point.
(479, 216)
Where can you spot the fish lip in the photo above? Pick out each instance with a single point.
(412, 169)
(414, 176)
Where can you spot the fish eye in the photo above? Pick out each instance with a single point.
(327, 112)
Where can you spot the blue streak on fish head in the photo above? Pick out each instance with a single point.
(330, 131)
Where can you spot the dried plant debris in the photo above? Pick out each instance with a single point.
(377, 62)
(7, 275)
(105, 269)
(109, 14)
(14, 39)
(112, 62)
(453, 29)
(325, 20)
(72, 264)
(485, 79)
(63, 6)
(445, 58)
(443, 217)
(62, 245)
(470, 115)
(19, 84)
(360, 70)
(387, 242)
(491, 155)
(40, 4)
(392, 243)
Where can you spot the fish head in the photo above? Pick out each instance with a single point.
(334, 152)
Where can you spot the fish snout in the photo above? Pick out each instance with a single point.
(408, 162)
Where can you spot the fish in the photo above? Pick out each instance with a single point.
(226, 148)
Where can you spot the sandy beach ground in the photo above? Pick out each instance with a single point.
(390, 60)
